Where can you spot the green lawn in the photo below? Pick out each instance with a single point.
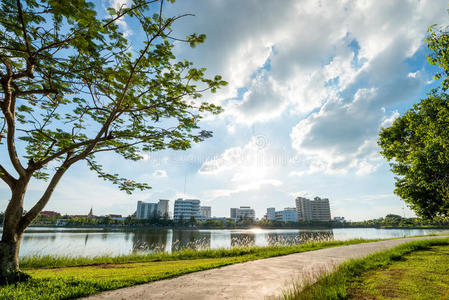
(418, 275)
(68, 277)
(416, 270)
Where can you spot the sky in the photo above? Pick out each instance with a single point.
(310, 83)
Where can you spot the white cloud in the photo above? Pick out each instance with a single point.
(253, 186)
(122, 4)
(159, 173)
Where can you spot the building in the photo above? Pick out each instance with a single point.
(115, 217)
(146, 210)
(271, 214)
(234, 213)
(289, 214)
(205, 212)
(49, 214)
(152, 210)
(313, 210)
(186, 209)
(162, 208)
(339, 219)
(242, 213)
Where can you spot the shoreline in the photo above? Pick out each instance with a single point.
(152, 227)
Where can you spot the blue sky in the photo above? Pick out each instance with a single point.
(310, 84)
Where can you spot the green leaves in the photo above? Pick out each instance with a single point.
(417, 144)
(80, 88)
(438, 41)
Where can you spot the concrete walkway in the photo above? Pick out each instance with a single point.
(259, 279)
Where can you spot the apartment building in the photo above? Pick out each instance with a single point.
(205, 212)
(313, 210)
(242, 213)
(186, 209)
(289, 214)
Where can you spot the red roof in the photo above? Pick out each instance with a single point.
(49, 213)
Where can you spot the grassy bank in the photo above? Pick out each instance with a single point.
(416, 270)
(68, 277)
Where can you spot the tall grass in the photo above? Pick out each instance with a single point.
(49, 261)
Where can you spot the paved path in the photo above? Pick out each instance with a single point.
(258, 279)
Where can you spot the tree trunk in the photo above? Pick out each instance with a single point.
(12, 235)
(9, 263)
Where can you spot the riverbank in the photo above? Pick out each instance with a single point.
(71, 277)
(68, 277)
(326, 226)
(260, 279)
(396, 273)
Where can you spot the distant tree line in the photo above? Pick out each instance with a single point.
(389, 221)
(397, 221)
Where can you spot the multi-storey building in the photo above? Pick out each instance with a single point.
(244, 212)
(313, 210)
(162, 208)
(234, 213)
(287, 215)
(205, 212)
(186, 209)
(146, 210)
(152, 210)
(271, 214)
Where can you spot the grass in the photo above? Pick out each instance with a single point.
(419, 275)
(416, 270)
(49, 261)
(72, 277)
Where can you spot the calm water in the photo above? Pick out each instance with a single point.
(82, 242)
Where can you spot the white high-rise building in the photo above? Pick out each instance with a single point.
(162, 208)
(242, 213)
(186, 209)
(313, 210)
(206, 212)
(271, 214)
(152, 210)
(146, 210)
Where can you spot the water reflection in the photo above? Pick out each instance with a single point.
(243, 239)
(149, 240)
(93, 243)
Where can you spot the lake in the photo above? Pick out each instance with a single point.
(94, 242)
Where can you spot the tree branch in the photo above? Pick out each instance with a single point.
(6, 177)
(8, 109)
(37, 208)
(22, 22)
(42, 163)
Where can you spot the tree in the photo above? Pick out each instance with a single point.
(73, 87)
(417, 144)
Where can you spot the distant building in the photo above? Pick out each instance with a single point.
(313, 210)
(186, 209)
(146, 210)
(162, 208)
(242, 213)
(234, 213)
(116, 217)
(49, 214)
(152, 210)
(339, 219)
(206, 212)
(271, 214)
(287, 215)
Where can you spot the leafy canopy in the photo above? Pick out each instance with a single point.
(417, 143)
(73, 85)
